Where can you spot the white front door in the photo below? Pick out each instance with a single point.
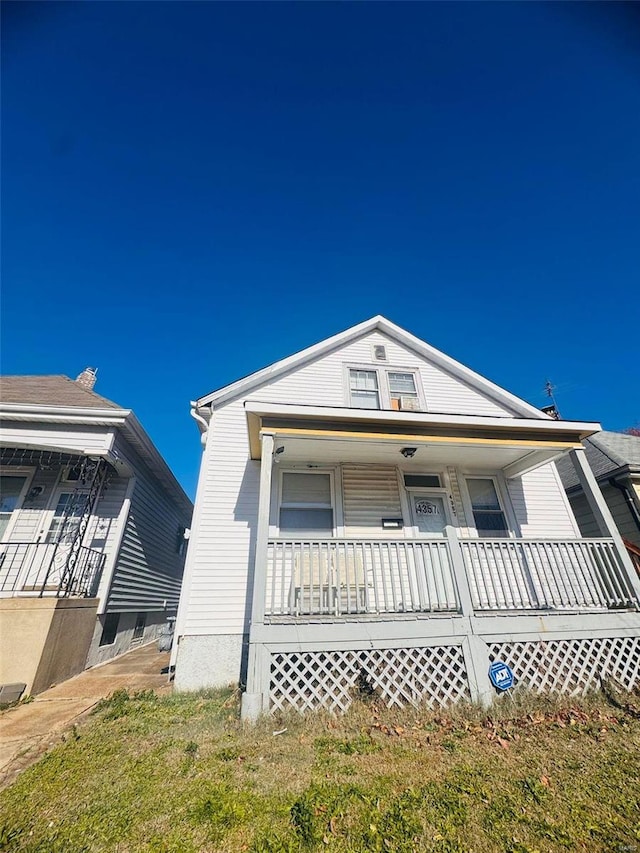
(430, 513)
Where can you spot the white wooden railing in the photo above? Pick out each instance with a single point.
(353, 577)
(359, 576)
(516, 574)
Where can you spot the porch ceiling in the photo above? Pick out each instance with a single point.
(427, 456)
(345, 435)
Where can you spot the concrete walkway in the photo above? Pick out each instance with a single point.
(28, 731)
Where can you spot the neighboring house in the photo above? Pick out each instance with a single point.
(92, 526)
(371, 515)
(614, 458)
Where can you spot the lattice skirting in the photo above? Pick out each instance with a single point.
(571, 666)
(331, 679)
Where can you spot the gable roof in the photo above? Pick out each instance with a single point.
(607, 452)
(51, 391)
(386, 327)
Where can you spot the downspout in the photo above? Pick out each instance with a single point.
(633, 509)
(203, 423)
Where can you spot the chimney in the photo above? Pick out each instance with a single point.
(87, 379)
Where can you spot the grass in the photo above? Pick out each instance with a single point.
(181, 774)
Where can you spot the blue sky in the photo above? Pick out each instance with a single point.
(194, 190)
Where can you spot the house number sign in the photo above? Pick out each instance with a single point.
(427, 508)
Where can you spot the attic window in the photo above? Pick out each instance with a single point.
(379, 353)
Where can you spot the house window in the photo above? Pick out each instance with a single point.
(488, 515)
(68, 513)
(109, 629)
(402, 386)
(363, 385)
(384, 389)
(422, 481)
(306, 507)
(138, 631)
(10, 491)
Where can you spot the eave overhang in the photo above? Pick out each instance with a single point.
(109, 419)
(531, 442)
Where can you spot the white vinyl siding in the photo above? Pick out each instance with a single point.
(458, 510)
(222, 543)
(369, 495)
(323, 382)
(540, 505)
(65, 436)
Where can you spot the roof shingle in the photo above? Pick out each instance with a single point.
(50, 391)
(606, 452)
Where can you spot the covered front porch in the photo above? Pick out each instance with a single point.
(374, 528)
(51, 536)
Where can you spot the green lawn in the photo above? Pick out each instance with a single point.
(180, 774)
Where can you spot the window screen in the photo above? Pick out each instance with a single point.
(487, 512)
(402, 385)
(363, 385)
(306, 505)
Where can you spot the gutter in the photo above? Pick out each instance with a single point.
(633, 509)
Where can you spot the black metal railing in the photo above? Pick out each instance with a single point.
(49, 569)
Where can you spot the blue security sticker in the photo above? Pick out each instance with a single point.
(501, 675)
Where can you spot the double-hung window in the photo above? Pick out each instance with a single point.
(306, 506)
(401, 385)
(365, 393)
(383, 389)
(488, 515)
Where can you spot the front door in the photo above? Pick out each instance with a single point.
(431, 564)
(429, 512)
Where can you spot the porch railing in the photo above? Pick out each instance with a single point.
(514, 574)
(49, 569)
(359, 576)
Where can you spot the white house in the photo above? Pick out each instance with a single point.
(92, 526)
(373, 515)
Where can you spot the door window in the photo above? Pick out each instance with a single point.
(10, 490)
(71, 506)
(429, 514)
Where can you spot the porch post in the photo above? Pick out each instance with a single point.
(252, 698)
(602, 514)
(459, 571)
(474, 649)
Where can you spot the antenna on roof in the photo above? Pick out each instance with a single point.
(552, 408)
